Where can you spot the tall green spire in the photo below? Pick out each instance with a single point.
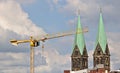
(79, 38)
(101, 37)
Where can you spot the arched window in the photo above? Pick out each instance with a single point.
(76, 52)
(97, 60)
(98, 51)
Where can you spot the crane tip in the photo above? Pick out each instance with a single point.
(14, 42)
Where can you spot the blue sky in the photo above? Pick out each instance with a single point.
(20, 19)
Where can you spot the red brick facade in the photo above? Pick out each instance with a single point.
(66, 71)
(99, 70)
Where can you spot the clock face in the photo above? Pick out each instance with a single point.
(76, 62)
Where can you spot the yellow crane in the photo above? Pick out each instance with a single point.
(34, 42)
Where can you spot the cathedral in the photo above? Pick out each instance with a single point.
(79, 55)
(101, 55)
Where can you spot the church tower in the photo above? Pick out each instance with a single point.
(101, 54)
(79, 55)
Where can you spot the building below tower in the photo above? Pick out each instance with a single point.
(79, 57)
(101, 53)
(115, 71)
(98, 69)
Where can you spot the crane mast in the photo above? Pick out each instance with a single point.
(31, 56)
(31, 59)
(34, 42)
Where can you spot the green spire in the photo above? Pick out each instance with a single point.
(101, 37)
(79, 38)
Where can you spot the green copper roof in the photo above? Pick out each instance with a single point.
(101, 37)
(79, 38)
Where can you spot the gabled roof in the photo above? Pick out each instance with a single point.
(79, 38)
(101, 37)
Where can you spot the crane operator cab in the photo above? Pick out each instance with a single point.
(34, 43)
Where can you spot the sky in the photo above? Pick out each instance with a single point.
(20, 19)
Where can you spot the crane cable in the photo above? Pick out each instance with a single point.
(42, 53)
(42, 48)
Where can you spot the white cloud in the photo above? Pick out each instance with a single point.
(87, 7)
(19, 62)
(13, 70)
(54, 61)
(114, 43)
(13, 18)
(55, 1)
(13, 22)
(13, 62)
(20, 1)
(74, 5)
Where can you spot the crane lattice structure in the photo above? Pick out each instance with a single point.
(34, 42)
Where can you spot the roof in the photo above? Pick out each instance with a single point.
(101, 37)
(79, 38)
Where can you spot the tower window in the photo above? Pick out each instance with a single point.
(97, 60)
(76, 52)
(98, 52)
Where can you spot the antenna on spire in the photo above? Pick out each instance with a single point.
(79, 11)
(100, 10)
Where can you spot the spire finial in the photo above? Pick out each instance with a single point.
(101, 38)
(100, 10)
(78, 11)
(79, 38)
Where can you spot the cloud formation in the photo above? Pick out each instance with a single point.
(13, 16)
(47, 63)
(55, 62)
(14, 19)
(114, 49)
(13, 62)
